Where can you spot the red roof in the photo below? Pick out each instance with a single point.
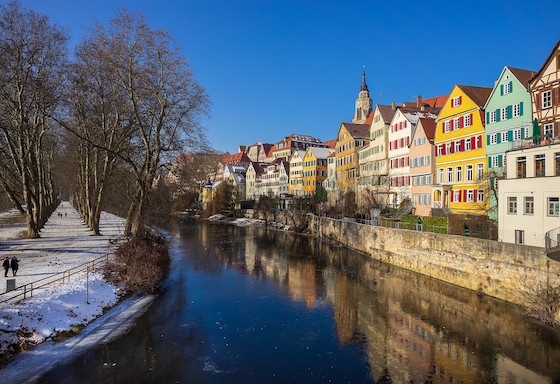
(236, 159)
(369, 118)
(331, 143)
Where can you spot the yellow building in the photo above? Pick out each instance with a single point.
(295, 187)
(460, 150)
(351, 138)
(314, 168)
(210, 190)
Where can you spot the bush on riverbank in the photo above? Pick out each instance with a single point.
(141, 263)
(542, 302)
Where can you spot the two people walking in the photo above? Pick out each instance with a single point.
(14, 264)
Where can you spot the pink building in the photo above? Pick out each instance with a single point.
(422, 167)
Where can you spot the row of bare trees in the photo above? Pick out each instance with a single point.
(126, 104)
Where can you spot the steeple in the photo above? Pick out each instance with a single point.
(364, 85)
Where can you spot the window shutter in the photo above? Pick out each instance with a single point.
(465, 195)
(473, 142)
(487, 117)
(538, 100)
(521, 109)
(452, 148)
(442, 127)
(472, 121)
(474, 195)
(402, 161)
(498, 115)
(508, 112)
(452, 195)
(522, 133)
(405, 123)
(479, 139)
(489, 162)
(408, 140)
(460, 196)
(510, 135)
(463, 145)
(487, 139)
(443, 149)
(511, 86)
(461, 122)
(500, 158)
(498, 138)
(501, 90)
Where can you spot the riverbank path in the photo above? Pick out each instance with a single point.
(65, 242)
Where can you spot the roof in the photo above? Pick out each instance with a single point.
(238, 178)
(300, 152)
(320, 153)
(369, 118)
(331, 143)
(357, 131)
(438, 101)
(236, 159)
(386, 112)
(479, 95)
(429, 126)
(545, 62)
(259, 170)
(522, 75)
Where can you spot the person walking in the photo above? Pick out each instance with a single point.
(6, 266)
(15, 265)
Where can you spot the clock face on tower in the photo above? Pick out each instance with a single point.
(359, 103)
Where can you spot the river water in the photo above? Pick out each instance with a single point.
(250, 305)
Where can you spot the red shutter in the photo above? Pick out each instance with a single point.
(390, 145)
(402, 161)
(402, 142)
(408, 140)
(462, 145)
(460, 99)
(451, 193)
(408, 181)
(408, 161)
(474, 195)
(405, 123)
(462, 122)
(465, 195)
(472, 121)
(400, 126)
(452, 148)
(460, 195)
(402, 180)
(472, 142)
(479, 141)
(443, 127)
(443, 152)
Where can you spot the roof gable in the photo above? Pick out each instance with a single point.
(520, 75)
(546, 63)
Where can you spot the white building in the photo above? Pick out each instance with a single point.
(529, 198)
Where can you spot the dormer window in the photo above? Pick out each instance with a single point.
(456, 101)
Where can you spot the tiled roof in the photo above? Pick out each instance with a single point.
(236, 159)
(438, 101)
(429, 127)
(477, 94)
(546, 61)
(522, 75)
(357, 131)
(369, 118)
(331, 143)
(386, 112)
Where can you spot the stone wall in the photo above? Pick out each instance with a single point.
(498, 269)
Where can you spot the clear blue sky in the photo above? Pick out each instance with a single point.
(273, 68)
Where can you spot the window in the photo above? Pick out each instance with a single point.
(449, 175)
(470, 195)
(507, 88)
(456, 101)
(503, 113)
(494, 161)
(441, 171)
(517, 110)
(494, 138)
(529, 203)
(456, 124)
(440, 150)
(467, 121)
(457, 146)
(469, 171)
(448, 147)
(521, 167)
(517, 134)
(448, 126)
(480, 171)
(547, 99)
(553, 206)
(519, 236)
(512, 205)
(539, 166)
(492, 117)
(548, 129)
(480, 195)
(468, 144)
(459, 174)
(557, 160)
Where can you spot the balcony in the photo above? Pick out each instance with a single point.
(552, 244)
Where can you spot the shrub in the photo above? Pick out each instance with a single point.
(409, 222)
(141, 263)
(434, 224)
(541, 301)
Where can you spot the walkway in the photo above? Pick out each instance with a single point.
(65, 242)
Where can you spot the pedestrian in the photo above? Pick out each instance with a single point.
(6, 266)
(15, 265)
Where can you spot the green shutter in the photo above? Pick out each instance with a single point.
(501, 90)
(487, 118)
(499, 160)
(521, 109)
(498, 115)
(498, 138)
(510, 86)
(487, 139)
(522, 133)
(510, 135)
(489, 162)
(508, 112)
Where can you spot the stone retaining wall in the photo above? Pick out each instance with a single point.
(498, 269)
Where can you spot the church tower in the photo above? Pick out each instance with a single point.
(363, 103)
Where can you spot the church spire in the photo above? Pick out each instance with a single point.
(364, 85)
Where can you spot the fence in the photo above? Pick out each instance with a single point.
(552, 239)
(26, 290)
(401, 225)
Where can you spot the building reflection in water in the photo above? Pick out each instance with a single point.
(411, 328)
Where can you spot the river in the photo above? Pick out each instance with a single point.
(250, 305)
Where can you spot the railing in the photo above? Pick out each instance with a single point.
(376, 222)
(552, 240)
(26, 290)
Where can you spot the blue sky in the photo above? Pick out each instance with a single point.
(273, 68)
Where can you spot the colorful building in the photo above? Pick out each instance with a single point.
(422, 167)
(314, 169)
(460, 150)
(351, 138)
(296, 174)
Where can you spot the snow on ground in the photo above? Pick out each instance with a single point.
(65, 242)
(242, 221)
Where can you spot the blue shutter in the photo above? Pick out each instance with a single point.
(510, 135)
(501, 90)
(521, 109)
(498, 114)
(487, 139)
(487, 118)
(508, 112)
(522, 133)
(489, 162)
(500, 160)
(511, 86)
(498, 138)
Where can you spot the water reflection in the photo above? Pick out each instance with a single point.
(412, 328)
(249, 305)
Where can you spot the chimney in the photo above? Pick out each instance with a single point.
(423, 107)
(418, 101)
(394, 106)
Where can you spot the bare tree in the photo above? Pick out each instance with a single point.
(32, 63)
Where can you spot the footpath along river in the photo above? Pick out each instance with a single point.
(250, 305)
